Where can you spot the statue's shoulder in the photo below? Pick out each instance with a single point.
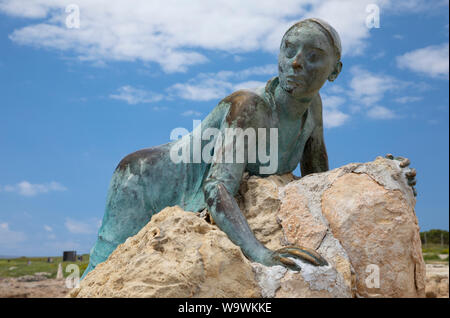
(245, 105)
(149, 155)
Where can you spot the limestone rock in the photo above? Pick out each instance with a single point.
(177, 254)
(279, 216)
(360, 217)
(437, 281)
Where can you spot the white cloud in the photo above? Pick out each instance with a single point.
(380, 112)
(82, 227)
(332, 101)
(250, 85)
(172, 32)
(334, 118)
(363, 94)
(9, 238)
(368, 88)
(48, 228)
(209, 86)
(26, 188)
(202, 89)
(190, 113)
(432, 61)
(135, 96)
(408, 99)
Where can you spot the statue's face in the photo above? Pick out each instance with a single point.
(305, 61)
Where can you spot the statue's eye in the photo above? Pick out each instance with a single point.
(313, 56)
(289, 50)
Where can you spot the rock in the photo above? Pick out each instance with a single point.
(437, 281)
(45, 274)
(279, 216)
(32, 278)
(371, 212)
(177, 254)
(360, 217)
(59, 273)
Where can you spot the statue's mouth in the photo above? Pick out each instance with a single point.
(297, 80)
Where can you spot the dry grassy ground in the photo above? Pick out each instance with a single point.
(48, 288)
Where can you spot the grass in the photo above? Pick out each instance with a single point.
(435, 248)
(16, 267)
(431, 252)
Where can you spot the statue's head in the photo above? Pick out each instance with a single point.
(310, 53)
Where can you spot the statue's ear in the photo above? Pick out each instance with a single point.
(337, 69)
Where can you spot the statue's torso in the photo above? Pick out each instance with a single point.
(167, 183)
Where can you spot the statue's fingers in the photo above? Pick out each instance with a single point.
(290, 264)
(411, 174)
(389, 156)
(412, 182)
(303, 253)
(414, 191)
(404, 163)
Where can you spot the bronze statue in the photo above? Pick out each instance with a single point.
(147, 181)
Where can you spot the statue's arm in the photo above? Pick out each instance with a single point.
(222, 183)
(223, 180)
(315, 157)
(219, 188)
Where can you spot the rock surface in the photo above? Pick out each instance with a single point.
(360, 217)
(437, 281)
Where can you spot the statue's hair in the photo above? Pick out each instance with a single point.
(329, 31)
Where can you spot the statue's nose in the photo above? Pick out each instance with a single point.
(298, 61)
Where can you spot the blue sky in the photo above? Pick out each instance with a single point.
(74, 101)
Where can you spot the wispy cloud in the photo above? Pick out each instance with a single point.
(134, 96)
(334, 118)
(48, 228)
(367, 93)
(368, 88)
(332, 115)
(432, 61)
(82, 227)
(380, 112)
(190, 113)
(8, 237)
(408, 99)
(209, 86)
(28, 189)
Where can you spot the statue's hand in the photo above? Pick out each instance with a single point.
(283, 257)
(409, 173)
